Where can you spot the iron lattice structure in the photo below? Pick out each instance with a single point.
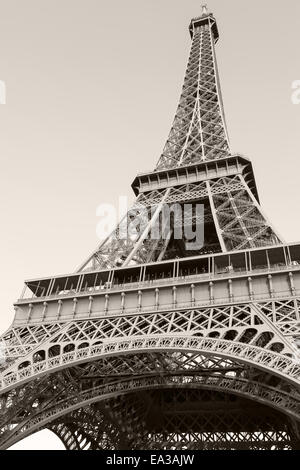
(151, 345)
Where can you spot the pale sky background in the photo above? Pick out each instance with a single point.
(92, 88)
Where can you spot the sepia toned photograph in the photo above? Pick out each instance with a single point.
(150, 161)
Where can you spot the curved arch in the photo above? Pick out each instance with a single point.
(54, 350)
(277, 347)
(39, 356)
(68, 437)
(75, 432)
(263, 359)
(23, 365)
(70, 347)
(264, 394)
(248, 335)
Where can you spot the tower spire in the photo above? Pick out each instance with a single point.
(198, 138)
(199, 130)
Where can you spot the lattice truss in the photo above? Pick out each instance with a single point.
(108, 404)
(243, 350)
(162, 420)
(240, 220)
(232, 220)
(277, 317)
(198, 131)
(186, 427)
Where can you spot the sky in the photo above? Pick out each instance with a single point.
(91, 91)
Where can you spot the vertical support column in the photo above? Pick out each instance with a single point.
(271, 288)
(30, 308)
(156, 298)
(74, 306)
(91, 299)
(106, 303)
(59, 307)
(51, 284)
(230, 290)
(211, 292)
(79, 283)
(123, 295)
(214, 214)
(250, 287)
(45, 305)
(142, 273)
(140, 296)
(174, 296)
(192, 294)
(292, 285)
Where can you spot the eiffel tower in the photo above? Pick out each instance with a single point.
(151, 344)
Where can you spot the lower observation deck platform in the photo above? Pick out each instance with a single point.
(219, 279)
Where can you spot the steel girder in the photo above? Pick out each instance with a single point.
(169, 428)
(268, 324)
(233, 219)
(84, 393)
(222, 348)
(198, 131)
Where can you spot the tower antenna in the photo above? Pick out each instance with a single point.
(204, 9)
